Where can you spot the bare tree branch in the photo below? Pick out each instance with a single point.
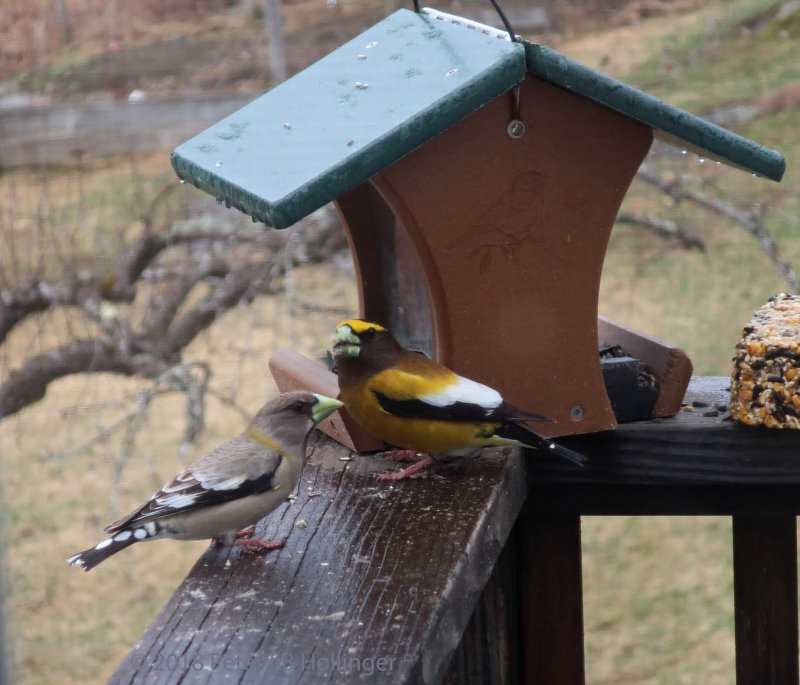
(664, 229)
(752, 222)
(210, 255)
(178, 378)
(227, 294)
(137, 259)
(29, 383)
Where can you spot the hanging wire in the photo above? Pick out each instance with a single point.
(513, 36)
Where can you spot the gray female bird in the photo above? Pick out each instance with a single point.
(229, 489)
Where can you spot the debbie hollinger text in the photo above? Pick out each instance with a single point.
(338, 663)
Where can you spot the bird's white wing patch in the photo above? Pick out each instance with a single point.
(466, 391)
(215, 482)
(176, 501)
(174, 497)
(182, 481)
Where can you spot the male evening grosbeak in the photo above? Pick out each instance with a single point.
(411, 402)
(225, 492)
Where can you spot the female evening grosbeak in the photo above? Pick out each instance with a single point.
(409, 401)
(225, 492)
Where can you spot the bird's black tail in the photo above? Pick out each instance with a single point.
(90, 558)
(529, 439)
(550, 446)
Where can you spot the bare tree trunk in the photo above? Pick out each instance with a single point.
(275, 42)
(62, 19)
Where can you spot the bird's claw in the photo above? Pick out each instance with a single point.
(403, 455)
(412, 471)
(245, 532)
(254, 546)
(237, 535)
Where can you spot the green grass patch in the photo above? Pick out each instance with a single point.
(730, 58)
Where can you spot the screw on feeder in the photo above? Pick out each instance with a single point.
(515, 128)
(576, 413)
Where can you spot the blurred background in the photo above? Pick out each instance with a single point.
(137, 315)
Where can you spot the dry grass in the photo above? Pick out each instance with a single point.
(658, 600)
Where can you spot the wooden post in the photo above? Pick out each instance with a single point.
(551, 597)
(765, 596)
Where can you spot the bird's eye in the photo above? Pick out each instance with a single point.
(298, 407)
(369, 334)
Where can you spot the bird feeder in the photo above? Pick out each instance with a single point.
(478, 180)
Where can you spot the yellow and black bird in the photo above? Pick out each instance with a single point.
(411, 402)
(232, 487)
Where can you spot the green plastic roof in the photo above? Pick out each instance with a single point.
(669, 123)
(388, 91)
(346, 117)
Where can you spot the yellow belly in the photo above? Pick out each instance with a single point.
(422, 435)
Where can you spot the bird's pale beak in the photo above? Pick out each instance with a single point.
(345, 343)
(323, 407)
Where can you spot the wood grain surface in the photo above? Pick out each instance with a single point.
(377, 580)
(698, 462)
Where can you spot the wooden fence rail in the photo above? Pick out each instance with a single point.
(474, 576)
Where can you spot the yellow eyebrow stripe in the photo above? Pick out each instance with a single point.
(358, 326)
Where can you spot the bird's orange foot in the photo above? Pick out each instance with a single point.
(402, 455)
(245, 532)
(251, 545)
(412, 471)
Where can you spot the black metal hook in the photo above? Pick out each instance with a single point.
(513, 36)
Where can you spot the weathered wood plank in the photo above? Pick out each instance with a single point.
(630, 500)
(687, 449)
(765, 592)
(375, 578)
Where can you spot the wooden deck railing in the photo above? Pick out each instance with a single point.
(475, 576)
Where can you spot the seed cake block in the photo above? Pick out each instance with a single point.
(765, 384)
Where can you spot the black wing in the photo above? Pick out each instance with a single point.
(456, 411)
(186, 493)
